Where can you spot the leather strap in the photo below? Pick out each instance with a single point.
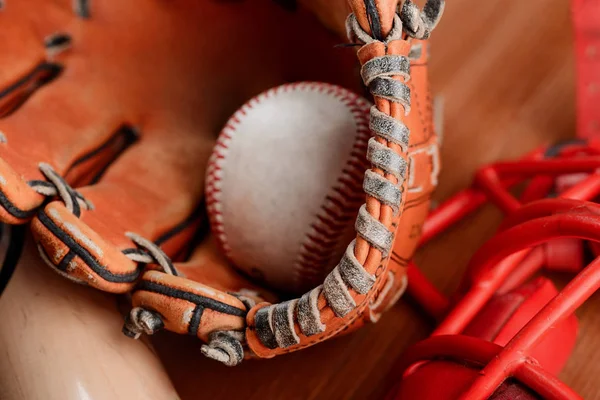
(586, 20)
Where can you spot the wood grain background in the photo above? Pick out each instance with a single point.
(506, 70)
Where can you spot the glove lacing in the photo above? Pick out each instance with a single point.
(57, 186)
(140, 320)
(419, 24)
(146, 253)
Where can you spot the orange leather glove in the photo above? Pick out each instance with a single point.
(110, 110)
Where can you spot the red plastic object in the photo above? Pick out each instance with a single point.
(505, 315)
(445, 380)
(508, 333)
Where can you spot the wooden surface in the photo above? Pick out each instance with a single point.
(506, 70)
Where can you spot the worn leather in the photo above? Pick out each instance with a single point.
(128, 115)
(173, 73)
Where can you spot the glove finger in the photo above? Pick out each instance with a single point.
(211, 300)
(57, 125)
(23, 50)
(152, 191)
(76, 117)
(20, 54)
(58, 342)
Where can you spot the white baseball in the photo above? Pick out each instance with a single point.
(284, 182)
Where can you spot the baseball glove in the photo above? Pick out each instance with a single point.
(109, 113)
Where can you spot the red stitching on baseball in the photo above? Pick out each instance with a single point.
(347, 195)
(341, 203)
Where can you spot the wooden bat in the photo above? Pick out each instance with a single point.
(63, 341)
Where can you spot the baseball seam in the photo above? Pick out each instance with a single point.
(340, 204)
